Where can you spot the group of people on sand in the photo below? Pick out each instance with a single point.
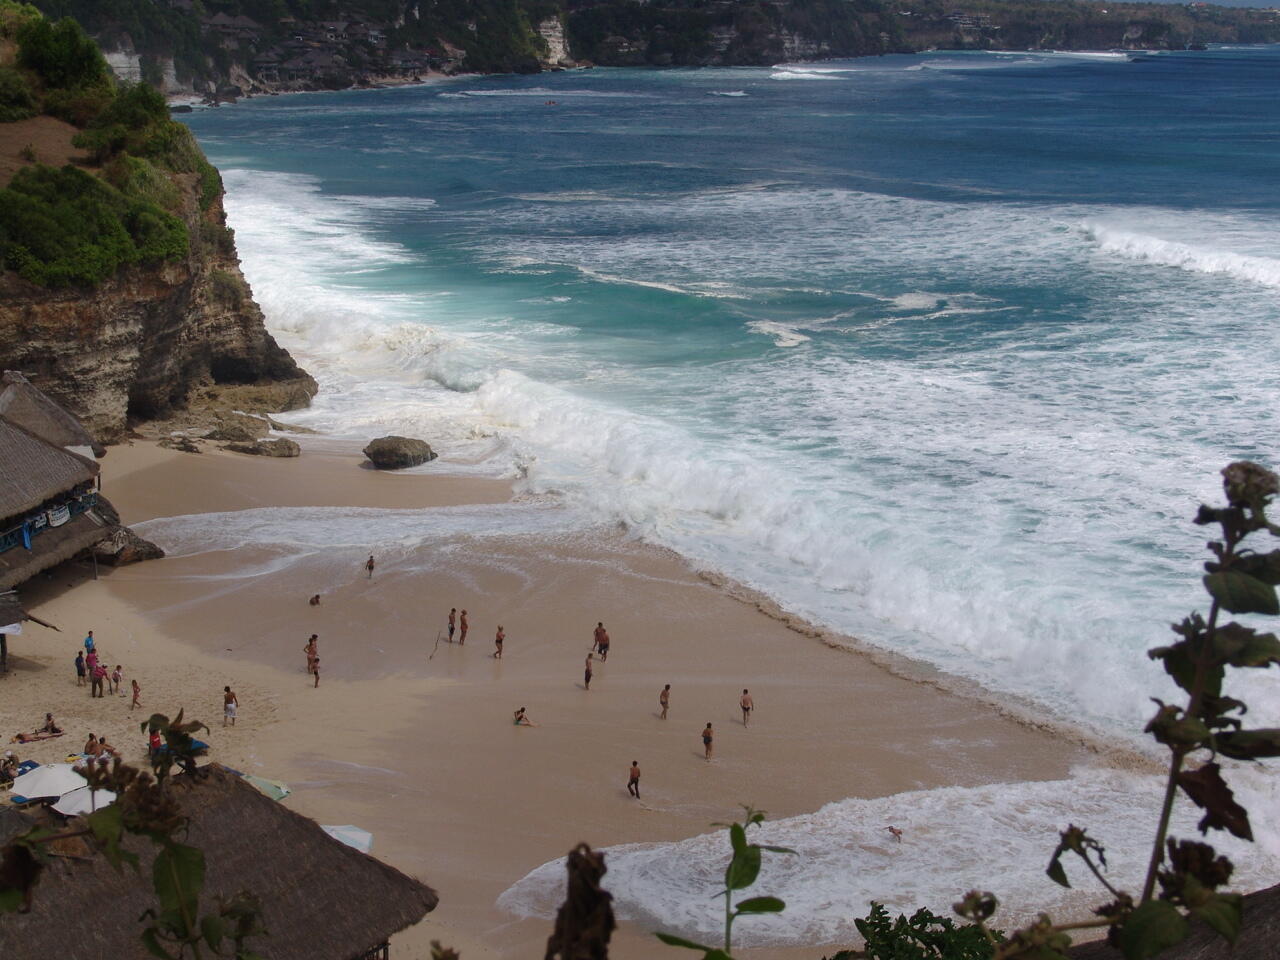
(313, 659)
(91, 668)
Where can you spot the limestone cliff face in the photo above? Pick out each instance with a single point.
(140, 345)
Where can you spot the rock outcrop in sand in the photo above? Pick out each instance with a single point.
(395, 453)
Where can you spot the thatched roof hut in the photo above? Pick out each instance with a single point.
(23, 404)
(36, 475)
(321, 900)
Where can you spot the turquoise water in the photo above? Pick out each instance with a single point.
(941, 351)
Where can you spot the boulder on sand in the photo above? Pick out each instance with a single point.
(279, 447)
(124, 547)
(395, 453)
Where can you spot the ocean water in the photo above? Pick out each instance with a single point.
(939, 351)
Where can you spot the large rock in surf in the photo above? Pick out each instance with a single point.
(125, 547)
(395, 453)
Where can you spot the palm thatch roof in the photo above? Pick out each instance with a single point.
(33, 470)
(53, 546)
(321, 900)
(1259, 936)
(23, 404)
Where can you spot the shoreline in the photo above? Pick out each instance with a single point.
(346, 759)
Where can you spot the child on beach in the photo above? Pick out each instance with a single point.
(586, 673)
(80, 669)
(117, 675)
(368, 566)
(315, 671)
(229, 705)
(137, 692)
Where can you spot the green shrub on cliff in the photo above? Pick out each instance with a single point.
(65, 227)
(62, 55)
(17, 102)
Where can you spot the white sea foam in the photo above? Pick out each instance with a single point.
(1198, 258)
(728, 93)
(996, 837)
(783, 335)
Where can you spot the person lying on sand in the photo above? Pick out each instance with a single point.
(522, 719)
(33, 737)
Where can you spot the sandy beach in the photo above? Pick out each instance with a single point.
(411, 737)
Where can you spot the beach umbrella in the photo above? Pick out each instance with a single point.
(362, 840)
(272, 788)
(51, 780)
(83, 800)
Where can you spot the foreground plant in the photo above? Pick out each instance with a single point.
(922, 936)
(144, 808)
(742, 871)
(1187, 873)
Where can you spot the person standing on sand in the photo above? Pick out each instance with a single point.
(586, 673)
(91, 661)
(707, 736)
(664, 700)
(137, 692)
(80, 669)
(462, 628)
(747, 706)
(315, 669)
(498, 639)
(633, 779)
(229, 705)
(602, 641)
(312, 653)
(368, 566)
(98, 676)
(116, 676)
(596, 635)
(453, 616)
(88, 643)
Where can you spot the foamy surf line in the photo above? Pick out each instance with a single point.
(996, 837)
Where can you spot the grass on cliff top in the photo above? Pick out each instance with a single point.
(61, 227)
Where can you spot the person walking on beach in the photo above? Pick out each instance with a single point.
(137, 692)
(229, 705)
(707, 736)
(99, 675)
(312, 653)
(596, 635)
(453, 616)
(633, 779)
(498, 639)
(586, 673)
(664, 700)
(116, 676)
(747, 706)
(602, 642)
(80, 669)
(368, 566)
(91, 661)
(462, 628)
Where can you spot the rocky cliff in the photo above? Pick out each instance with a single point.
(150, 339)
(120, 292)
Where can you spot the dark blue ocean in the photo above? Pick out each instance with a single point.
(941, 351)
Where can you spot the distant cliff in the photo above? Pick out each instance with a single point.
(224, 48)
(121, 295)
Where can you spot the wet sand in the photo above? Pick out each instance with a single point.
(414, 741)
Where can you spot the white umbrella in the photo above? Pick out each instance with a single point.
(51, 780)
(84, 800)
(362, 840)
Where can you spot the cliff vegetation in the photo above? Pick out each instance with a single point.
(120, 293)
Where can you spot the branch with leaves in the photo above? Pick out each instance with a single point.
(742, 871)
(1189, 874)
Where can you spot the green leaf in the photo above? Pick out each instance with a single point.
(107, 825)
(1223, 912)
(1242, 647)
(1209, 792)
(1154, 926)
(671, 940)
(743, 869)
(178, 877)
(737, 837)
(1241, 593)
(761, 905)
(1057, 873)
(211, 930)
(1248, 744)
(152, 943)
(1263, 566)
